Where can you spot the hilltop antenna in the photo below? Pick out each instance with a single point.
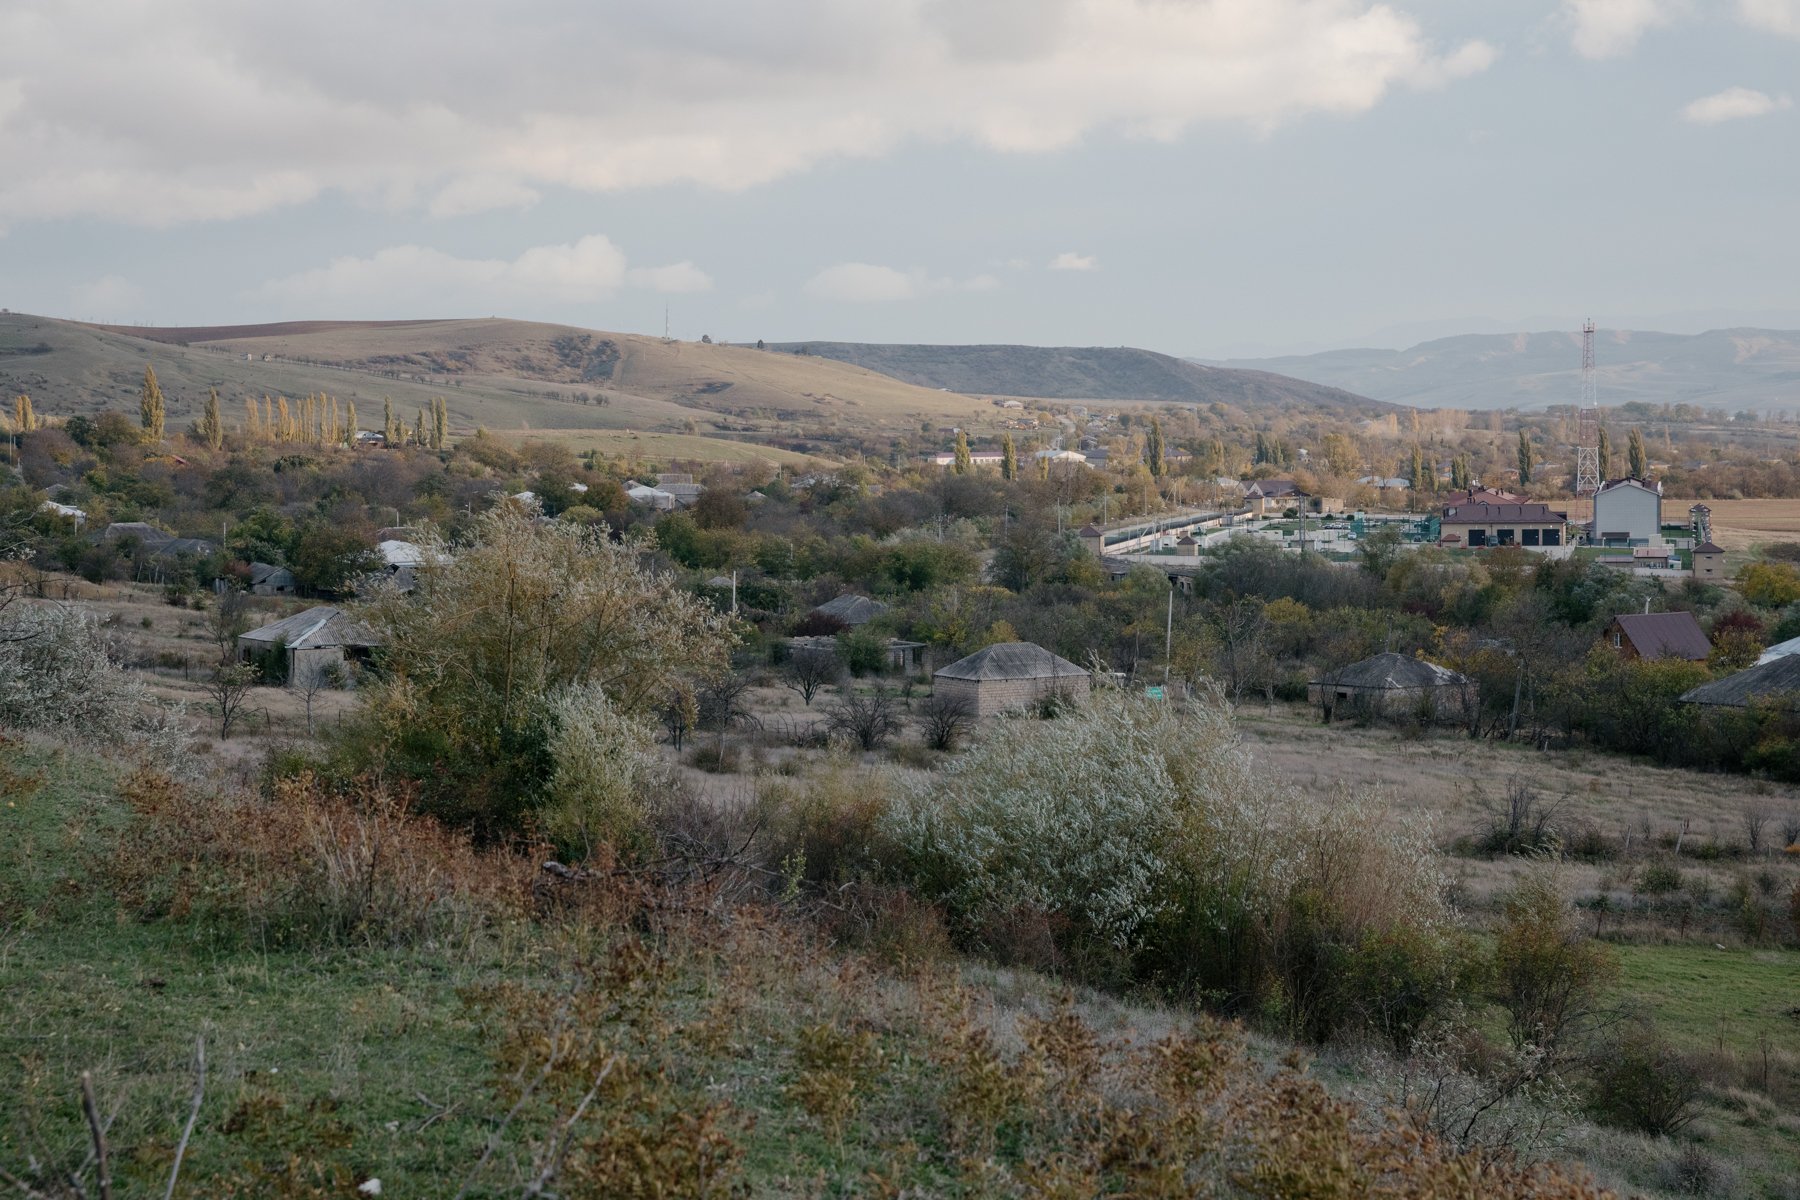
(1587, 444)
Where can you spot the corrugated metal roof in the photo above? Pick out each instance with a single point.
(312, 629)
(1389, 670)
(1777, 680)
(852, 609)
(1012, 660)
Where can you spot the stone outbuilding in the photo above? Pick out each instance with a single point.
(1395, 685)
(312, 644)
(1008, 676)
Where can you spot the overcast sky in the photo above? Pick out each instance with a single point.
(1197, 176)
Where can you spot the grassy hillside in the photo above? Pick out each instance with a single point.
(1088, 373)
(720, 1053)
(504, 375)
(1725, 368)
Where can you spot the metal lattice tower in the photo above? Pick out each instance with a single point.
(1587, 444)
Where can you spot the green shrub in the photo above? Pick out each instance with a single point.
(1659, 879)
(1641, 1083)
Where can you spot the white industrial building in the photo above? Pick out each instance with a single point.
(1627, 512)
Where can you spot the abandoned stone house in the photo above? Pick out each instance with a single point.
(1008, 676)
(1391, 685)
(311, 645)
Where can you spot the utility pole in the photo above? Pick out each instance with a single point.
(734, 591)
(1169, 635)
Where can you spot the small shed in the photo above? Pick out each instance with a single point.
(1009, 675)
(1396, 685)
(266, 579)
(1775, 683)
(311, 643)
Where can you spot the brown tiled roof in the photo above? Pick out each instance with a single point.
(1708, 548)
(1665, 635)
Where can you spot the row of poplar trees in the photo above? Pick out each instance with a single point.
(313, 420)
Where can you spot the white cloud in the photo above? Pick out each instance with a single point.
(478, 194)
(261, 106)
(1608, 28)
(868, 283)
(683, 276)
(109, 298)
(1734, 104)
(1068, 260)
(1775, 16)
(419, 279)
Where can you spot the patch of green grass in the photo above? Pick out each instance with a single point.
(1699, 994)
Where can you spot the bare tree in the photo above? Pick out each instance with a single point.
(228, 619)
(228, 687)
(310, 678)
(809, 669)
(946, 719)
(868, 720)
(1756, 819)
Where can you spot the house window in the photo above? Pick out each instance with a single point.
(1618, 641)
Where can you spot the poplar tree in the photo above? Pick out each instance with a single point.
(24, 419)
(1459, 472)
(1153, 448)
(1417, 469)
(963, 462)
(350, 425)
(389, 432)
(150, 406)
(1635, 453)
(440, 422)
(419, 430)
(1009, 459)
(1605, 455)
(252, 420)
(1527, 457)
(212, 428)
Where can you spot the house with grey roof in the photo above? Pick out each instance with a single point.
(1395, 685)
(309, 645)
(266, 579)
(852, 609)
(1009, 675)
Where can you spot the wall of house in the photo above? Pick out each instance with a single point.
(989, 696)
(1443, 703)
(1545, 534)
(1636, 512)
(1709, 566)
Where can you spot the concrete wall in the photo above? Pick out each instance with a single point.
(989, 696)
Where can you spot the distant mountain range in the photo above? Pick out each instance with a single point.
(1087, 373)
(1731, 369)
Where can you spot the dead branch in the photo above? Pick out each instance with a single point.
(193, 1114)
(92, 1110)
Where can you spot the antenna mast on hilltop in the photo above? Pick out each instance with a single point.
(1587, 445)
